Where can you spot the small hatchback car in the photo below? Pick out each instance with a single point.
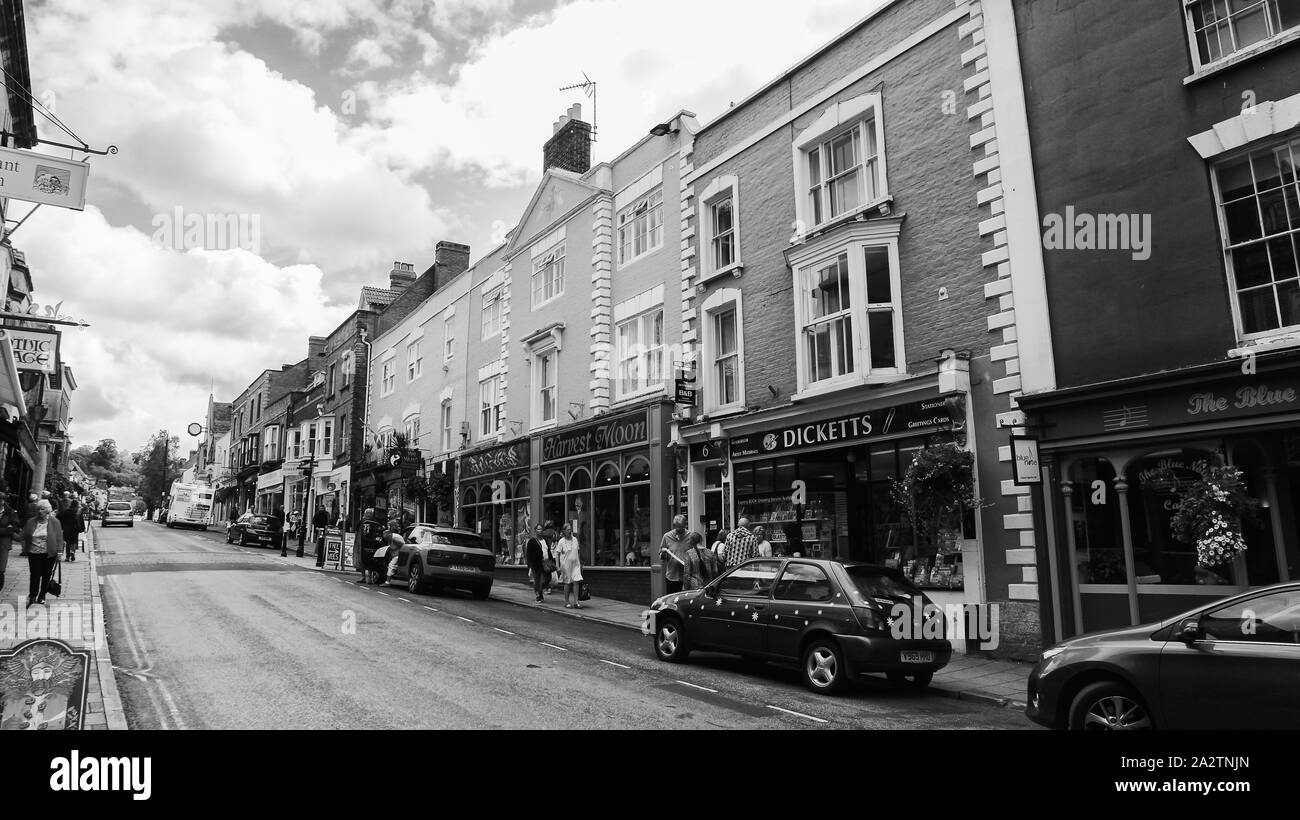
(118, 512)
(837, 621)
(435, 556)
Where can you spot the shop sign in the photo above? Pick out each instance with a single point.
(620, 431)
(708, 451)
(406, 460)
(685, 387)
(36, 350)
(496, 460)
(34, 177)
(1025, 466)
(334, 549)
(917, 418)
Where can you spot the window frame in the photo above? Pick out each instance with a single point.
(627, 219)
(496, 407)
(1227, 248)
(864, 111)
(411, 429)
(326, 437)
(414, 364)
(719, 302)
(447, 424)
(854, 242)
(388, 376)
(553, 258)
(1273, 40)
(641, 355)
(491, 326)
(540, 356)
(721, 189)
(448, 340)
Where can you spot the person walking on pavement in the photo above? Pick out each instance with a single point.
(701, 563)
(763, 546)
(741, 545)
(570, 566)
(549, 537)
(535, 556)
(720, 544)
(672, 552)
(69, 516)
(42, 539)
(319, 522)
(11, 526)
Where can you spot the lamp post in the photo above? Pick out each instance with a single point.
(307, 465)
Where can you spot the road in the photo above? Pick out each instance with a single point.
(207, 635)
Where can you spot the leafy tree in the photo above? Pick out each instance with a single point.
(104, 462)
(159, 467)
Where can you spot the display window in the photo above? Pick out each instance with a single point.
(607, 503)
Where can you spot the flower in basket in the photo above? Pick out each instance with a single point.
(1210, 513)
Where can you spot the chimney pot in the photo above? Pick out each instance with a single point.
(569, 147)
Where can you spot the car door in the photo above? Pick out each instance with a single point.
(794, 600)
(736, 619)
(1244, 673)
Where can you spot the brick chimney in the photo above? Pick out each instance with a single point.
(315, 354)
(450, 259)
(402, 276)
(570, 146)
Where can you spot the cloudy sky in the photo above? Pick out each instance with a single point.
(348, 133)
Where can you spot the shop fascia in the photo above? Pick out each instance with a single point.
(917, 418)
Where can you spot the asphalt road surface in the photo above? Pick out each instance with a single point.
(207, 635)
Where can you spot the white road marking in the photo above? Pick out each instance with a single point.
(467, 620)
(553, 646)
(797, 714)
(385, 594)
(403, 600)
(502, 631)
(431, 609)
(697, 686)
(611, 663)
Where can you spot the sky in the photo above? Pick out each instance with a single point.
(317, 143)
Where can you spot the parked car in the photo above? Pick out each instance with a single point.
(251, 528)
(836, 620)
(1232, 664)
(118, 512)
(434, 556)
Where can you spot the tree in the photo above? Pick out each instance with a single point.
(159, 467)
(104, 462)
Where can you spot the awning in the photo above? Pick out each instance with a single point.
(11, 390)
(271, 480)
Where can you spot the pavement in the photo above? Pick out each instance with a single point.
(81, 591)
(966, 677)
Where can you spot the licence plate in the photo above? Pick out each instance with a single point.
(916, 657)
(648, 622)
(459, 568)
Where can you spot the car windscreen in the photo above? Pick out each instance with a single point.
(873, 582)
(257, 521)
(454, 539)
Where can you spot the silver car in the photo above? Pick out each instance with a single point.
(437, 557)
(118, 512)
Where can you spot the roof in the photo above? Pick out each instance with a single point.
(370, 296)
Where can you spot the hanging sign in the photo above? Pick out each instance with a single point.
(41, 178)
(1025, 466)
(35, 349)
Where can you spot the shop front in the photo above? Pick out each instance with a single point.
(496, 499)
(270, 492)
(1118, 461)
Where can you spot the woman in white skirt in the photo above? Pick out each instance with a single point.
(569, 562)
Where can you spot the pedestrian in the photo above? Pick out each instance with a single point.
(11, 526)
(720, 544)
(42, 538)
(741, 545)
(69, 516)
(30, 511)
(535, 557)
(764, 547)
(701, 564)
(319, 522)
(570, 565)
(672, 552)
(549, 537)
(277, 527)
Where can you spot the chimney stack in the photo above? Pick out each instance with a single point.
(450, 259)
(569, 148)
(402, 276)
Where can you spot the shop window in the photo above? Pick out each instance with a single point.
(607, 474)
(555, 483)
(638, 469)
(579, 479)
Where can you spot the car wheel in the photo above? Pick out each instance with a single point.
(670, 641)
(415, 577)
(910, 680)
(482, 592)
(823, 667)
(1109, 706)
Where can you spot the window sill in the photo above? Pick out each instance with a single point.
(635, 259)
(640, 395)
(717, 413)
(554, 298)
(884, 204)
(546, 425)
(1245, 55)
(846, 383)
(734, 271)
(1266, 343)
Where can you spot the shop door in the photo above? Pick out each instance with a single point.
(737, 620)
(712, 521)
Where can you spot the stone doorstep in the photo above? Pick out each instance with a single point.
(941, 686)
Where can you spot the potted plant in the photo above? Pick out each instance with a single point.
(1211, 511)
(935, 491)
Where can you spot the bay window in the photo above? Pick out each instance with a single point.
(327, 437)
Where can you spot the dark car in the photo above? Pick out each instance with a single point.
(438, 557)
(837, 621)
(251, 528)
(1233, 664)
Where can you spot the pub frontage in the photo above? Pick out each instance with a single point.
(609, 478)
(1116, 459)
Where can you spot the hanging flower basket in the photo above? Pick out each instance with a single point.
(1210, 513)
(937, 488)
